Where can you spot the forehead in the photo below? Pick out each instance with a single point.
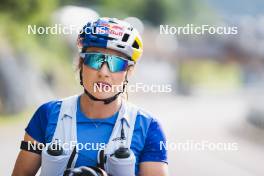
(106, 51)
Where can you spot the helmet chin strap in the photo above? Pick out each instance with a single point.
(106, 100)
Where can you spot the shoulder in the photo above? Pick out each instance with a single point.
(44, 110)
(145, 116)
(147, 121)
(37, 125)
(50, 110)
(152, 136)
(49, 107)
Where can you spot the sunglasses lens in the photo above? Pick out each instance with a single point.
(94, 60)
(117, 64)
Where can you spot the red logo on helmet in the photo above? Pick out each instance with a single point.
(117, 27)
(105, 25)
(112, 26)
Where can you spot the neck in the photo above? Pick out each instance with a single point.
(97, 109)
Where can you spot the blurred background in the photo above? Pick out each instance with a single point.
(217, 80)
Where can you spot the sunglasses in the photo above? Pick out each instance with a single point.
(115, 63)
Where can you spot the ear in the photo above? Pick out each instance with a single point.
(130, 70)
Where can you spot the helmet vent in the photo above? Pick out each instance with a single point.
(130, 28)
(120, 46)
(125, 37)
(135, 45)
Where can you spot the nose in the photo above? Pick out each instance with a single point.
(104, 71)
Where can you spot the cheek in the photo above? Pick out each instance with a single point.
(88, 74)
(118, 78)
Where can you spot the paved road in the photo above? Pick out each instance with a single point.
(216, 119)
(187, 120)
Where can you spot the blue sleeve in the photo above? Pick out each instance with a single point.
(152, 150)
(38, 123)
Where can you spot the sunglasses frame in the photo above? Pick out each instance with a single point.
(82, 55)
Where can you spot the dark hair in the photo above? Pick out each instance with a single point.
(80, 63)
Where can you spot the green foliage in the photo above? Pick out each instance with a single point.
(211, 74)
(16, 15)
(42, 50)
(25, 11)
